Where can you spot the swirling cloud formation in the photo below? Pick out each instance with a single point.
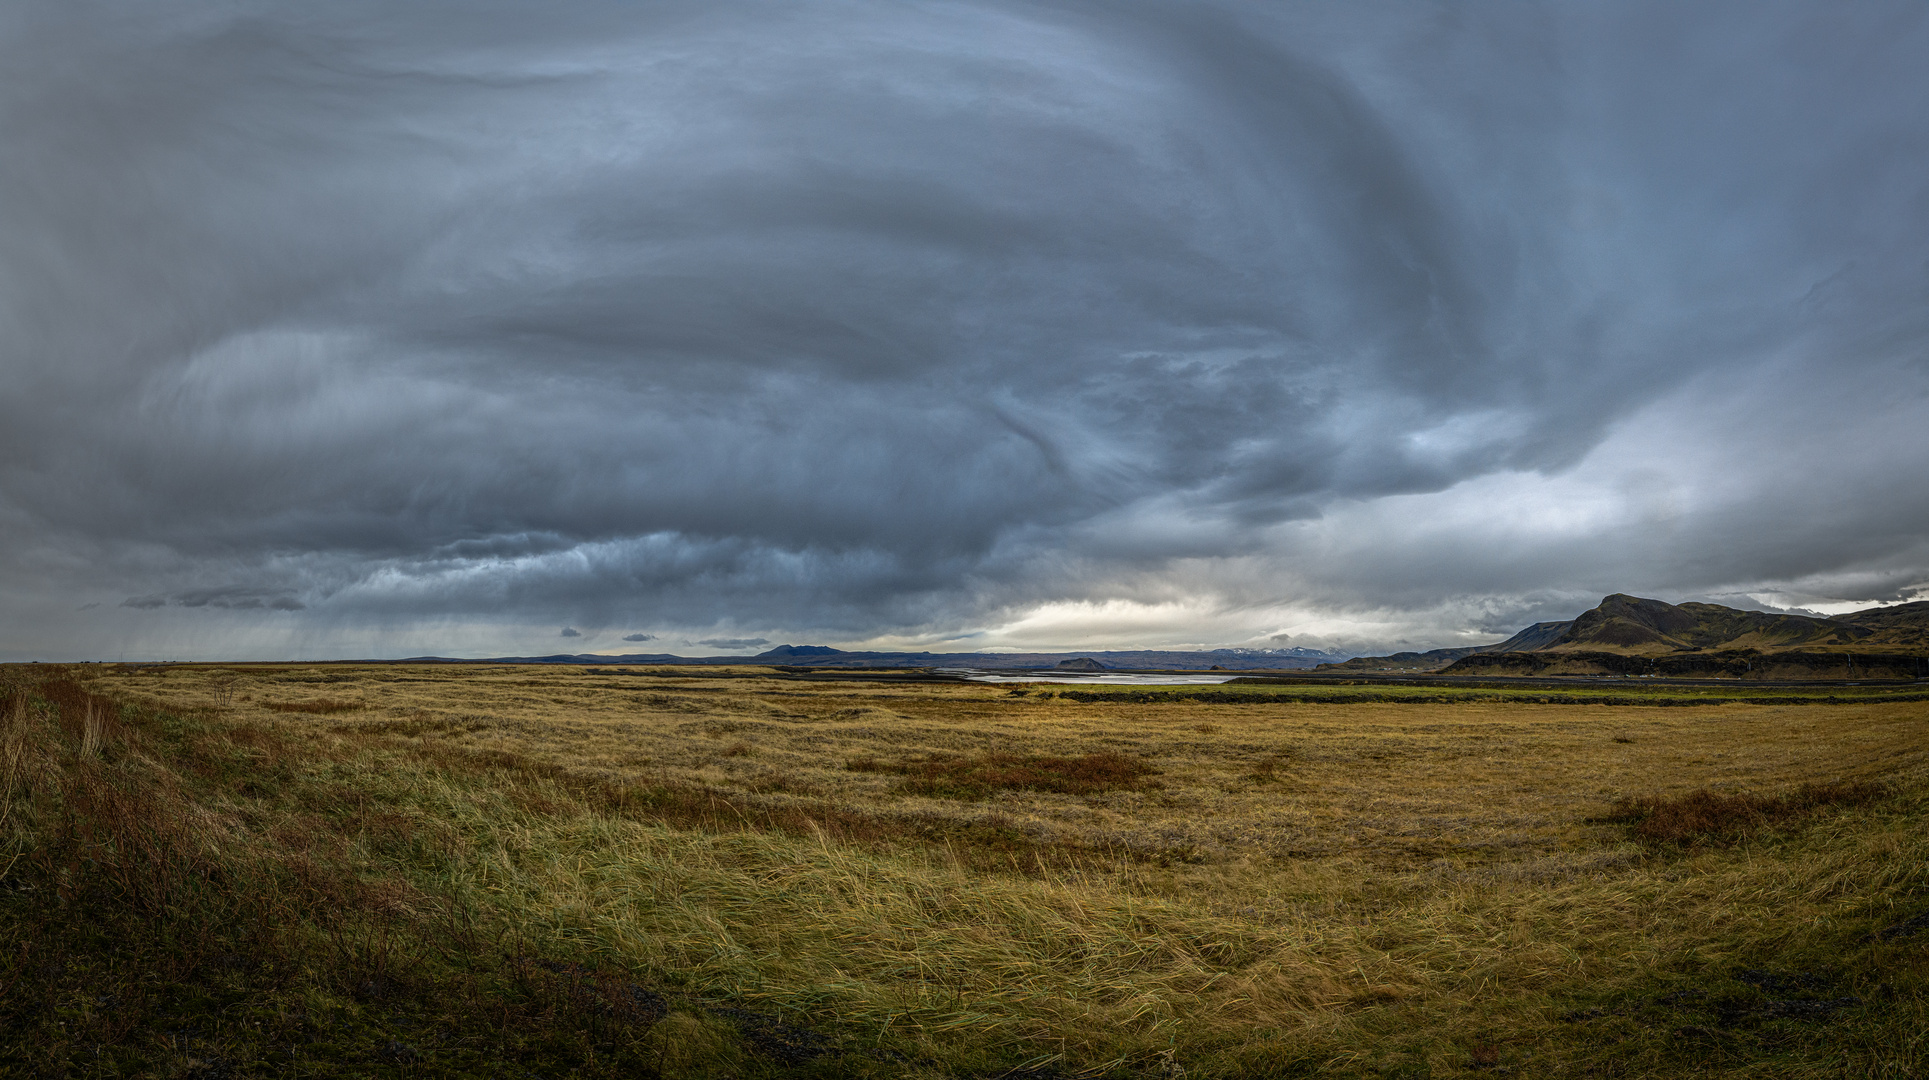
(374, 329)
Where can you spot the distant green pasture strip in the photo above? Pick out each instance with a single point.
(1447, 695)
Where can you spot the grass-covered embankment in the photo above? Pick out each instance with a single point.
(378, 889)
(1659, 695)
(186, 897)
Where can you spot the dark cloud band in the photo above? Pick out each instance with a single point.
(896, 320)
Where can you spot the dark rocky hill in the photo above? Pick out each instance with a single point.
(1902, 624)
(1537, 636)
(1408, 662)
(1632, 635)
(799, 652)
(1631, 624)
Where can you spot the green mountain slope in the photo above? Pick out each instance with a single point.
(1631, 635)
(1902, 624)
(1635, 635)
(1632, 624)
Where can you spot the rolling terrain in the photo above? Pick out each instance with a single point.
(516, 870)
(820, 656)
(1636, 637)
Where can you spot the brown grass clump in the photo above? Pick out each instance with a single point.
(961, 777)
(317, 707)
(1266, 769)
(1704, 816)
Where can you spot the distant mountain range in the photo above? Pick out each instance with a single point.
(1623, 635)
(1629, 635)
(1289, 659)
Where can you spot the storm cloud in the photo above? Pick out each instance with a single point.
(367, 329)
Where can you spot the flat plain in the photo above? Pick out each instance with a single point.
(928, 879)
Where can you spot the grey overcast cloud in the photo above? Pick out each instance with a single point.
(369, 329)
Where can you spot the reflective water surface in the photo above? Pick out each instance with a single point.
(1091, 677)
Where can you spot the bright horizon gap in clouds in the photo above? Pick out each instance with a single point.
(368, 333)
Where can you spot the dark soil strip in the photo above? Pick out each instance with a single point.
(1914, 925)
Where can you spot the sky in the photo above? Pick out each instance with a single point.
(505, 328)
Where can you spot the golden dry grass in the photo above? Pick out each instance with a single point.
(1451, 785)
(1290, 888)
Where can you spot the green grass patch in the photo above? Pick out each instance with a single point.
(1328, 693)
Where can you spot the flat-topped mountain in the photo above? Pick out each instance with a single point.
(1634, 635)
(799, 652)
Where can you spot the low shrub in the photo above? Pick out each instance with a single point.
(1702, 817)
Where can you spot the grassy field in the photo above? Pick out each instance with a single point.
(475, 870)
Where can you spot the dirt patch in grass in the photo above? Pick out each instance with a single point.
(957, 776)
(1710, 817)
